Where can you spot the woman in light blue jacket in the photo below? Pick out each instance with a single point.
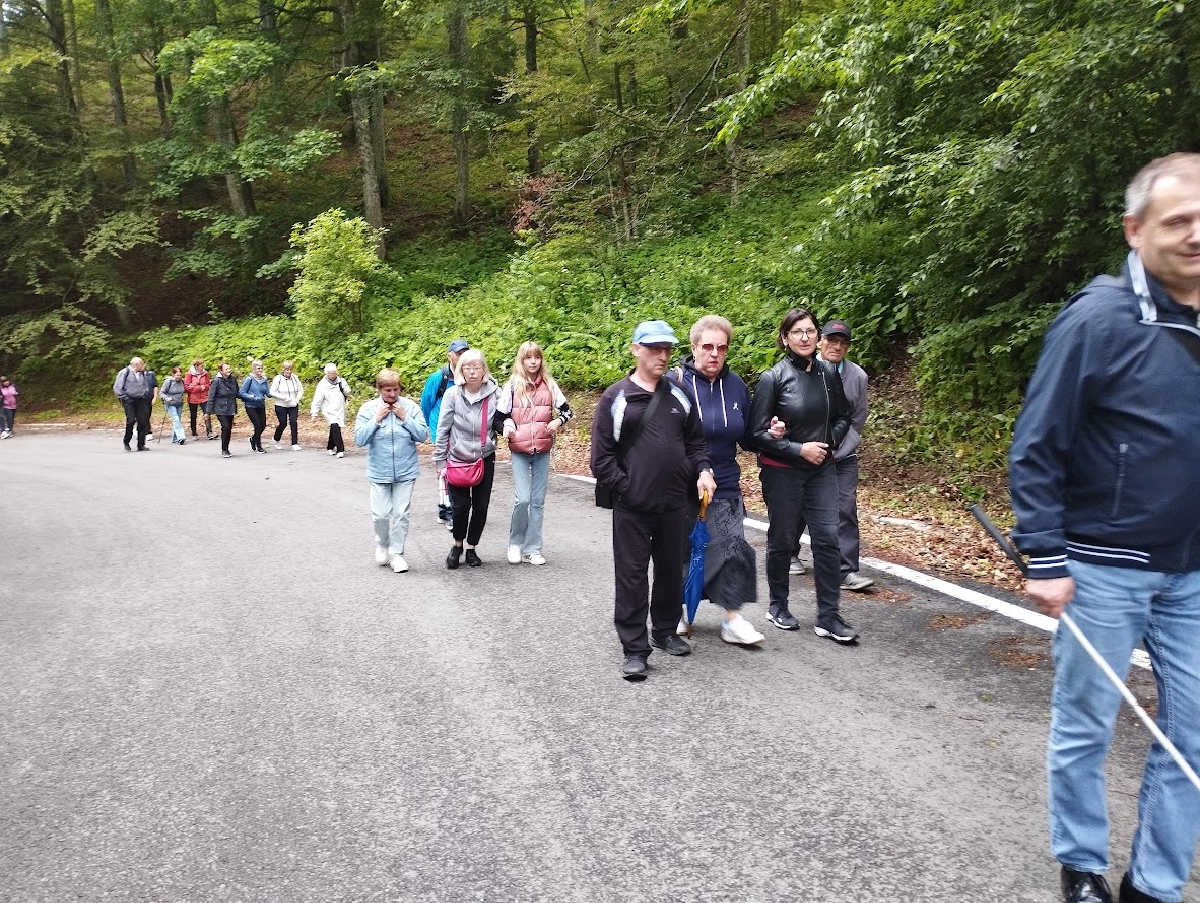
(389, 428)
(254, 392)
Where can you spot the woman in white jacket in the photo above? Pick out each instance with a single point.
(330, 399)
(287, 390)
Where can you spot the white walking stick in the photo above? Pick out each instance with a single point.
(1126, 694)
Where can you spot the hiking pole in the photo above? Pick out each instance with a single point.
(1007, 547)
(158, 435)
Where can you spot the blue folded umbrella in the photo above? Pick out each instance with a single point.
(693, 587)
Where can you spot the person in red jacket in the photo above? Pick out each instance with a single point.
(531, 410)
(195, 385)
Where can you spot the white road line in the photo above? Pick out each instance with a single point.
(945, 587)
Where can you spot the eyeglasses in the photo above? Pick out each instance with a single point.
(802, 333)
(709, 348)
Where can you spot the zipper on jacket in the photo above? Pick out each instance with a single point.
(1122, 449)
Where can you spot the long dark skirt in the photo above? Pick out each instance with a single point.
(730, 570)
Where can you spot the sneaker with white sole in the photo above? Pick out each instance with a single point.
(399, 565)
(837, 630)
(740, 632)
(856, 582)
(796, 568)
(341, 454)
(277, 446)
(534, 558)
(381, 555)
(683, 627)
(514, 554)
(331, 452)
(783, 619)
(295, 448)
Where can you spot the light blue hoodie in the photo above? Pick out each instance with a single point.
(392, 443)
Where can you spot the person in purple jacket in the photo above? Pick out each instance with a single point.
(723, 405)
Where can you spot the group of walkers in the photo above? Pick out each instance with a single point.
(664, 447)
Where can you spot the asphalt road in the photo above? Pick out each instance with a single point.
(210, 692)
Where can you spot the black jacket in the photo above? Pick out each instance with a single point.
(659, 472)
(222, 396)
(811, 402)
(1103, 465)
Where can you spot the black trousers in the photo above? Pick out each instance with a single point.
(226, 430)
(849, 544)
(258, 419)
(137, 411)
(287, 416)
(194, 406)
(470, 505)
(335, 439)
(812, 495)
(639, 538)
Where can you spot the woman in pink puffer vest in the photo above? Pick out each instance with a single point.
(531, 411)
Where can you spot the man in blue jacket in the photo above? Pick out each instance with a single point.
(436, 385)
(1105, 482)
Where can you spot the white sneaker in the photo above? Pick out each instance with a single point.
(331, 453)
(856, 582)
(381, 555)
(4, 434)
(740, 631)
(277, 446)
(514, 554)
(682, 628)
(796, 568)
(295, 448)
(535, 558)
(399, 565)
(341, 454)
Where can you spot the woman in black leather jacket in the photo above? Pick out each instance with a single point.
(803, 395)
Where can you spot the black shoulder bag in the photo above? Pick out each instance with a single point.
(605, 498)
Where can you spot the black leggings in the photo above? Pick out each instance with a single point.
(470, 505)
(258, 419)
(335, 439)
(287, 416)
(226, 430)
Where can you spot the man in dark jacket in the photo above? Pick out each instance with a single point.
(1106, 488)
(137, 389)
(651, 475)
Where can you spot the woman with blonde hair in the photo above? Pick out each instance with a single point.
(466, 452)
(531, 410)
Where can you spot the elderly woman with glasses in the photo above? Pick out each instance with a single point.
(804, 394)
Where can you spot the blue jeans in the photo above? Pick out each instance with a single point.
(1118, 608)
(390, 503)
(177, 433)
(531, 473)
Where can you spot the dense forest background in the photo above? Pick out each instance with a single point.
(361, 180)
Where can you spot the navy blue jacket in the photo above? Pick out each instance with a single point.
(724, 409)
(1105, 463)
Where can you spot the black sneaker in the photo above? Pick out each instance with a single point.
(473, 559)
(453, 558)
(633, 669)
(1084, 887)
(672, 645)
(1130, 894)
(782, 618)
(226, 455)
(836, 629)
(127, 448)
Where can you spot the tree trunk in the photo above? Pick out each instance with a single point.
(241, 193)
(360, 104)
(533, 155)
(267, 22)
(116, 92)
(366, 113)
(58, 38)
(458, 56)
(379, 145)
(73, 44)
(742, 53)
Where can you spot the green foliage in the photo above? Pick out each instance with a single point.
(335, 271)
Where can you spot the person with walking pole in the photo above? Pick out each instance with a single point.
(1106, 490)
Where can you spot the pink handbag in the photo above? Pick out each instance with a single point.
(465, 475)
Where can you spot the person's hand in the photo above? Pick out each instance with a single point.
(1051, 595)
(777, 429)
(398, 410)
(554, 426)
(510, 429)
(705, 485)
(814, 452)
(382, 412)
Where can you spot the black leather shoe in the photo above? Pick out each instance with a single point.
(453, 557)
(634, 668)
(1130, 894)
(672, 645)
(473, 560)
(143, 448)
(1084, 887)
(127, 448)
